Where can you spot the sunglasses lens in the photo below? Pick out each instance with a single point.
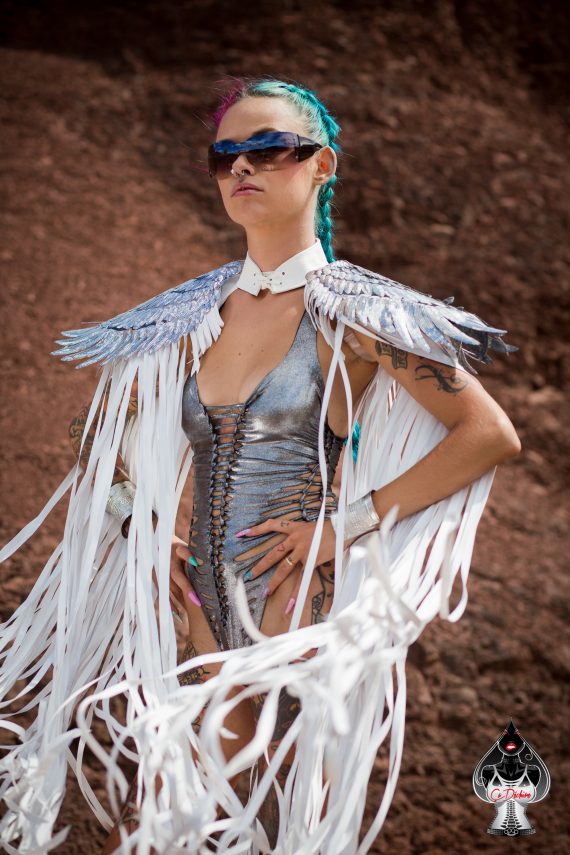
(270, 156)
(265, 151)
(220, 165)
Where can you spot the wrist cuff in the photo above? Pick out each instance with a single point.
(121, 500)
(360, 517)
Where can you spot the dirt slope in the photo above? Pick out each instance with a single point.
(454, 180)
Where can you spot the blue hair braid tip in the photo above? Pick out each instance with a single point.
(355, 441)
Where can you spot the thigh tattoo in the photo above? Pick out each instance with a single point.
(194, 675)
(288, 706)
(325, 595)
(129, 810)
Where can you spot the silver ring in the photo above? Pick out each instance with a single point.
(288, 560)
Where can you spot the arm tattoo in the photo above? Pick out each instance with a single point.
(77, 429)
(447, 382)
(399, 357)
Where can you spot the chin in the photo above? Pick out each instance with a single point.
(248, 219)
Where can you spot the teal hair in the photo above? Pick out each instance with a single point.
(319, 123)
(355, 441)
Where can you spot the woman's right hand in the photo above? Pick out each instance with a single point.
(182, 594)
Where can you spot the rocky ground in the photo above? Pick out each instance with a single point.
(454, 180)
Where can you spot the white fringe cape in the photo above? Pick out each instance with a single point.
(98, 626)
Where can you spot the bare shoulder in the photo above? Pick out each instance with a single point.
(360, 371)
(323, 345)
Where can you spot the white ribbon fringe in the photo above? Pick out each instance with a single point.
(99, 626)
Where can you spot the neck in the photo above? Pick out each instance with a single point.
(270, 248)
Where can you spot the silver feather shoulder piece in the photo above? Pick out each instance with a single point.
(187, 309)
(400, 315)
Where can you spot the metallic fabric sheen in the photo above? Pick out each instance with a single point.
(361, 516)
(121, 500)
(254, 460)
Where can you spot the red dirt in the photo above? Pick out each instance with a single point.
(454, 181)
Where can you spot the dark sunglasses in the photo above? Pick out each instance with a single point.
(267, 150)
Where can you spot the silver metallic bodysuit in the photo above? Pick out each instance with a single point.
(254, 460)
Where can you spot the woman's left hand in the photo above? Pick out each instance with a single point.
(294, 547)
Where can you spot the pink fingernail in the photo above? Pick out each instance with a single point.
(290, 605)
(195, 599)
(245, 531)
(265, 593)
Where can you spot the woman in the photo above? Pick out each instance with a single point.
(266, 426)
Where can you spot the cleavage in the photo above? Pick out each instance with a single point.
(255, 359)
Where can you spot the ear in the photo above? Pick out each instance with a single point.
(326, 160)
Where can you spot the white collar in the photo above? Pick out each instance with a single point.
(291, 274)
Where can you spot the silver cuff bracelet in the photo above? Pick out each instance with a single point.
(121, 500)
(360, 516)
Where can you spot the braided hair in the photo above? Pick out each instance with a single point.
(320, 126)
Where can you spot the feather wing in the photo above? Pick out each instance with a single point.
(189, 308)
(400, 315)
